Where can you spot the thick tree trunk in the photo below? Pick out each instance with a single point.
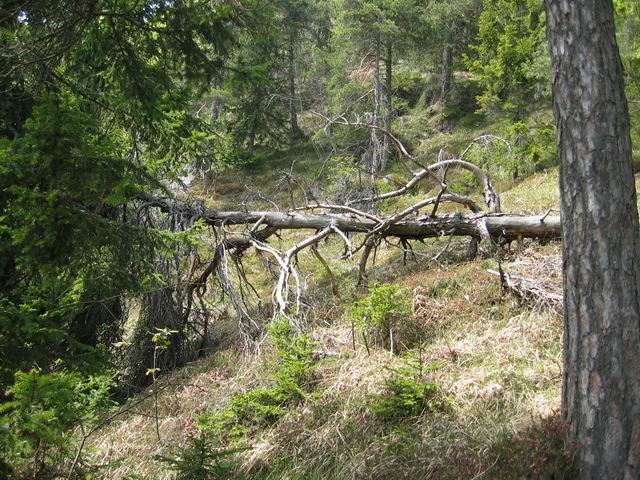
(447, 71)
(293, 114)
(376, 144)
(601, 245)
(388, 106)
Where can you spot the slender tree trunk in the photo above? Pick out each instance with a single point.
(293, 114)
(252, 139)
(601, 245)
(388, 105)
(376, 144)
(216, 103)
(447, 71)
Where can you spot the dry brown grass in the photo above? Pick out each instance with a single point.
(129, 445)
(499, 365)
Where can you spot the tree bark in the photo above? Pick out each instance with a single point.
(293, 114)
(601, 245)
(447, 71)
(388, 106)
(376, 144)
(216, 103)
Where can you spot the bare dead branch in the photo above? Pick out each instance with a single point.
(491, 196)
(323, 262)
(530, 291)
(342, 120)
(485, 139)
(340, 208)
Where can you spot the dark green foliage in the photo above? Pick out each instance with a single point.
(63, 186)
(136, 63)
(406, 393)
(534, 147)
(511, 42)
(292, 376)
(385, 316)
(409, 87)
(201, 459)
(95, 102)
(293, 368)
(37, 421)
(405, 397)
(628, 27)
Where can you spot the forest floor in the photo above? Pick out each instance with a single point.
(490, 359)
(494, 358)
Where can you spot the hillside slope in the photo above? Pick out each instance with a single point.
(493, 359)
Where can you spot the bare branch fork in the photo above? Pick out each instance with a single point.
(342, 220)
(261, 225)
(490, 194)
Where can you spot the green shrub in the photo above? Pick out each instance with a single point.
(409, 85)
(385, 316)
(535, 147)
(200, 459)
(293, 379)
(406, 393)
(406, 397)
(293, 369)
(43, 409)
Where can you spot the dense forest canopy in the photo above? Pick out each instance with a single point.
(118, 118)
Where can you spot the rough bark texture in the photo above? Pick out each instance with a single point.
(388, 106)
(447, 71)
(601, 248)
(293, 114)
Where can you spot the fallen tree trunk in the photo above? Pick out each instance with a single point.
(479, 225)
(405, 225)
(254, 228)
(507, 226)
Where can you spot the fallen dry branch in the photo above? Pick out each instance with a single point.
(259, 226)
(531, 291)
(535, 279)
(490, 195)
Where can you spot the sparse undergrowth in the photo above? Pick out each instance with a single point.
(498, 371)
(479, 395)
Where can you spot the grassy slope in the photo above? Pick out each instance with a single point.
(500, 360)
(499, 366)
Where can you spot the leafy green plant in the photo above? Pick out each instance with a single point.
(406, 393)
(293, 379)
(42, 411)
(385, 316)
